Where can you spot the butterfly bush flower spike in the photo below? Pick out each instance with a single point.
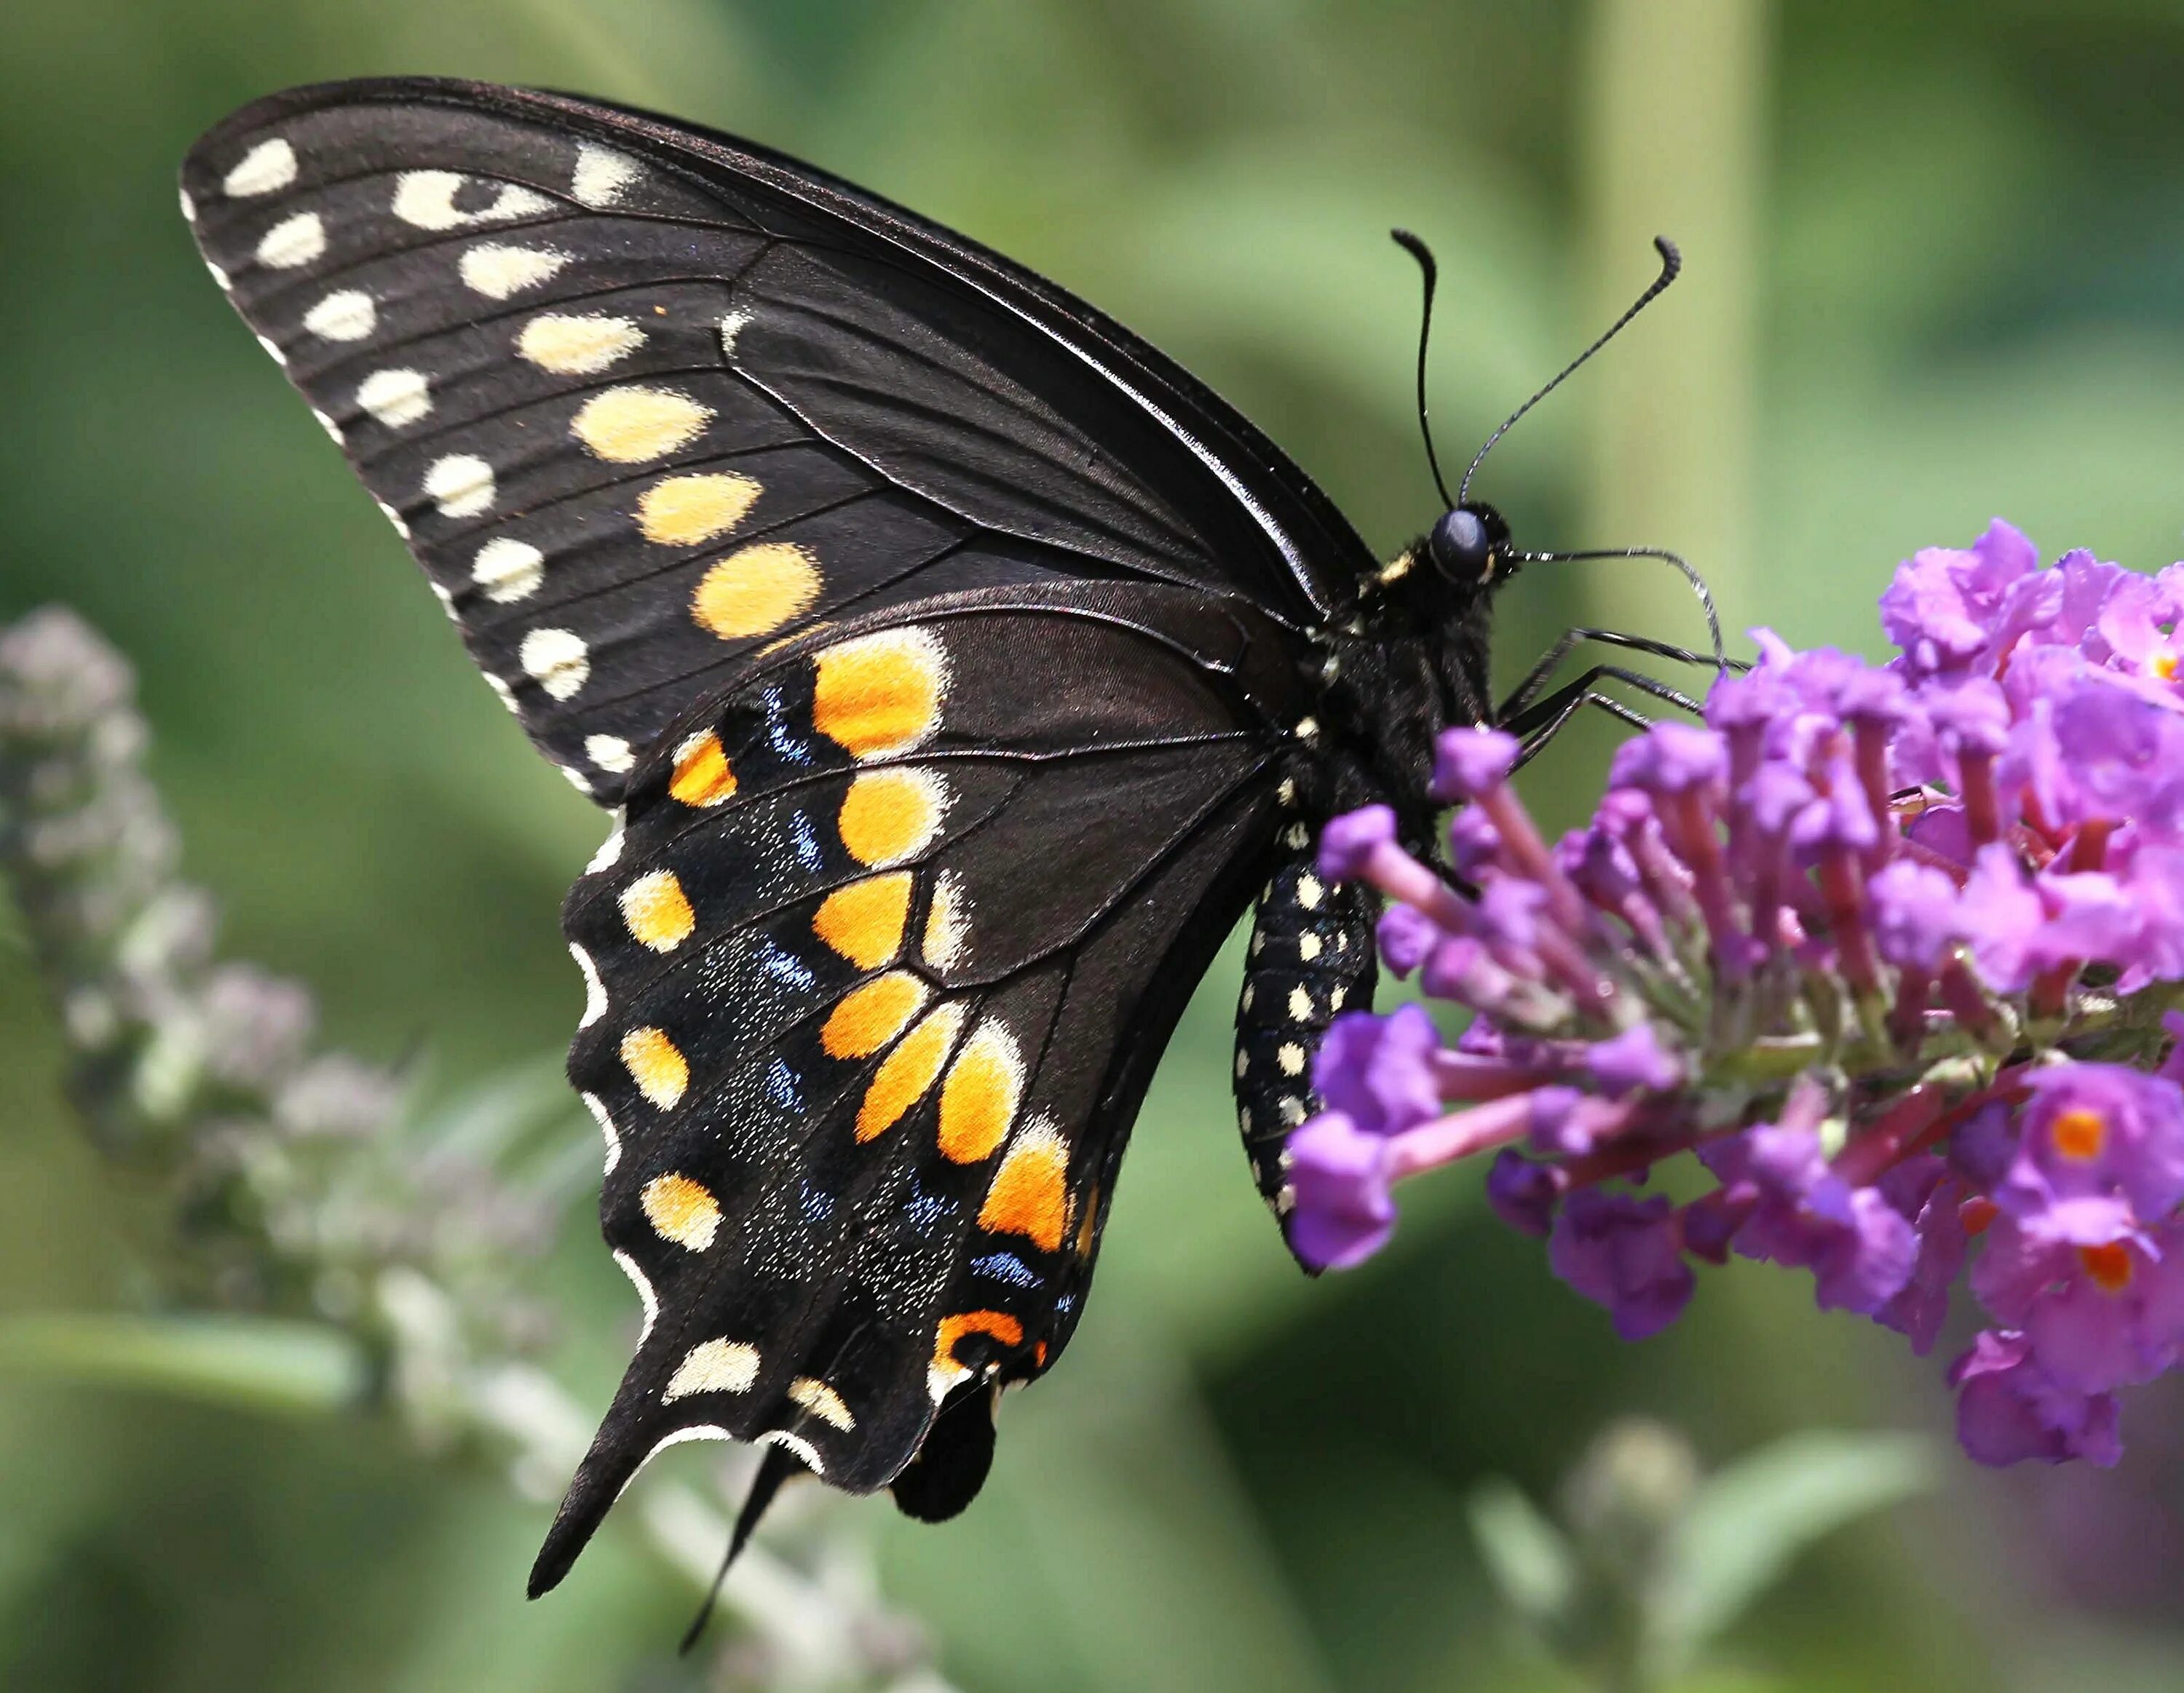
(1896, 953)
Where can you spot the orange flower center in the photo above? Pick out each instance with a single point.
(2079, 1135)
(2109, 1267)
(2163, 664)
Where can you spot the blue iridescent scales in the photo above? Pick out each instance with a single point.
(945, 736)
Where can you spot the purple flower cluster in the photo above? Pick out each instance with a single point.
(1895, 952)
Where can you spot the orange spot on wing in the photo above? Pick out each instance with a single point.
(979, 1101)
(1000, 1324)
(905, 1073)
(1030, 1194)
(888, 814)
(1088, 1230)
(702, 777)
(864, 920)
(869, 1016)
(879, 694)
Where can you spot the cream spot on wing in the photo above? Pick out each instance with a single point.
(345, 314)
(508, 570)
(713, 1367)
(292, 242)
(1290, 1057)
(501, 691)
(602, 175)
(396, 397)
(630, 425)
(460, 485)
(557, 659)
(596, 991)
(497, 271)
(1310, 891)
(645, 1296)
(333, 430)
(948, 922)
(686, 511)
(1308, 946)
(609, 852)
(394, 517)
(732, 325)
(821, 1402)
(806, 1452)
(266, 169)
(597, 1107)
(1299, 1006)
(610, 753)
(427, 200)
(682, 1211)
(273, 351)
(227, 282)
(189, 206)
(577, 345)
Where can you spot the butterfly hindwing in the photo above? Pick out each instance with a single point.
(879, 962)
(643, 400)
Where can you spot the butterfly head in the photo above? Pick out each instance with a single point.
(1469, 546)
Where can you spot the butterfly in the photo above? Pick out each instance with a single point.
(957, 672)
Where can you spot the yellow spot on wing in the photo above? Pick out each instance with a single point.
(682, 511)
(682, 1211)
(871, 1016)
(880, 694)
(702, 777)
(864, 920)
(905, 1073)
(979, 1101)
(633, 424)
(1030, 1194)
(889, 815)
(658, 912)
(713, 1367)
(821, 1402)
(578, 345)
(657, 1065)
(1088, 1230)
(756, 589)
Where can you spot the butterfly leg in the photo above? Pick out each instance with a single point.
(1525, 691)
(1312, 958)
(1540, 723)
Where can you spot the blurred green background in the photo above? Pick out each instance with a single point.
(1935, 271)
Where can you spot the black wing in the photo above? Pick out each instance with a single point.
(881, 962)
(642, 399)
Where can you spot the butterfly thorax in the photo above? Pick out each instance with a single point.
(1410, 661)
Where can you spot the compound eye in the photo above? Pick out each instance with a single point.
(1460, 546)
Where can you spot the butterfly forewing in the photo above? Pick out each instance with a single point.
(642, 401)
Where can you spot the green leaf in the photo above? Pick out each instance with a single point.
(1533, 1564)
(262, 1364)
(1751, 1519)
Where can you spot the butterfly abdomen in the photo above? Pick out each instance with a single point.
(1311, 959)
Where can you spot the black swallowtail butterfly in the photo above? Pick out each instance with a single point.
(956, 670)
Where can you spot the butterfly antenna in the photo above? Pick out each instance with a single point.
(1671, 263)
(1418, 250)
(773, 1469)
